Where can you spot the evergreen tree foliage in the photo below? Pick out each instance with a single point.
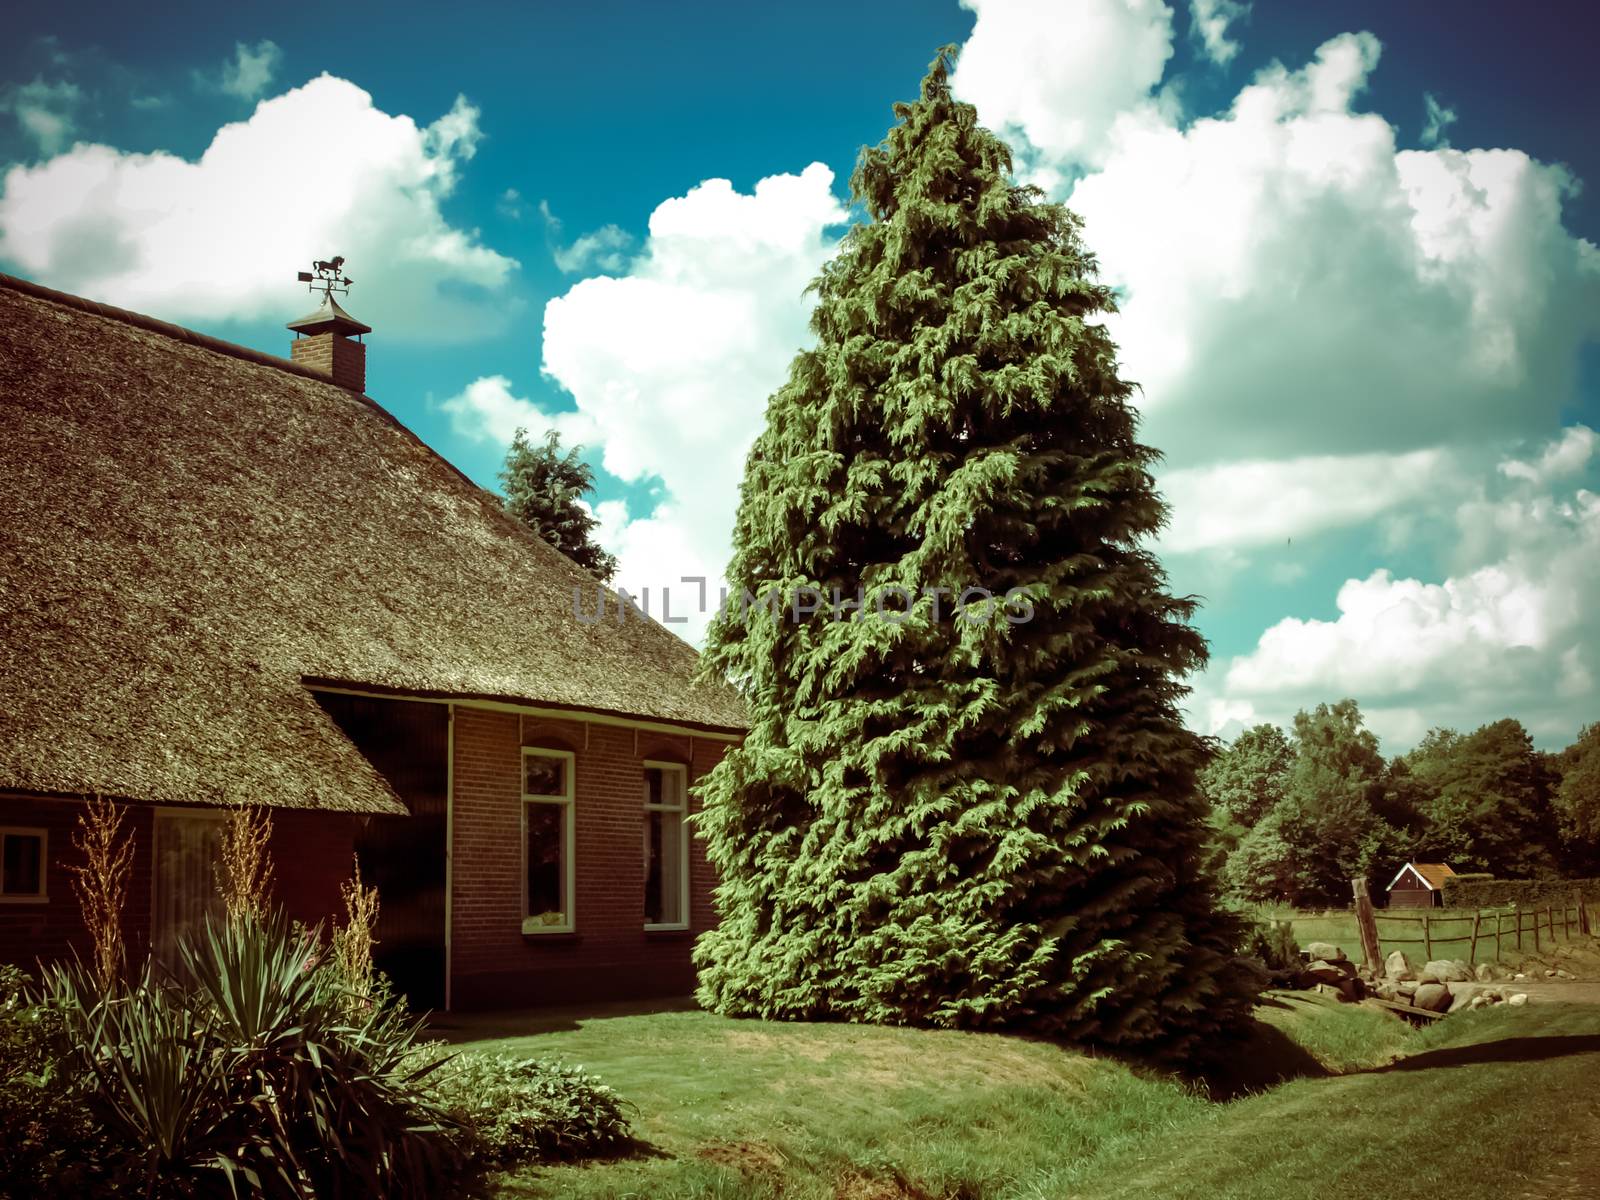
(543, 490)
(978, 816)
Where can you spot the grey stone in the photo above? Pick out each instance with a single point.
(1464, 995)
(1397, 966)
(1321, 971)
(1446, 971)
(1324, 950)
(1407, 987)
(1434, 997)
(1517, 999)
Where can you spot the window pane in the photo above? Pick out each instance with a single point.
(188, 855)
(546, 851)
(663, 868)
(663, 786)
(24, 864)
(544, 776)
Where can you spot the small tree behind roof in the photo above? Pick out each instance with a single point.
(544, 490)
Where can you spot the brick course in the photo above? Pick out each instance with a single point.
(311, 855)
(609, 955)
(334, 355)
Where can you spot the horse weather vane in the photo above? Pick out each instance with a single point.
(327, 276)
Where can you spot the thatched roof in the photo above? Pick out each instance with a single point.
(192, 531)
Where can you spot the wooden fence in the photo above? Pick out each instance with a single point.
(1508, 927)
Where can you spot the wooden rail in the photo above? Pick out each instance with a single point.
(1512, 921)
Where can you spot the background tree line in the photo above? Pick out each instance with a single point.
(1296, 814)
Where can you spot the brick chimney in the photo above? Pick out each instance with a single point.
(323, 342)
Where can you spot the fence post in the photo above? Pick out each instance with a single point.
(1427, 938)
(1536, 949)
(1472, 950)
(1367, 923)
(1516, 912)
(1498, 917)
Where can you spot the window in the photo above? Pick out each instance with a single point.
(22, 864)
(547, 840)
(666, 846)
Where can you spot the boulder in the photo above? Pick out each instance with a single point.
(1446, 971)
(1517, 999)
(1397, 966)
(1428, 976)
(1321, 971)
(1465, 995)
(1479, 1002)
(1434, 997)
(1565, 975)
(1407, 988)
(1324, 950)
(1489, 973)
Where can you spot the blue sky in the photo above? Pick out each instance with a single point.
(1367, 335)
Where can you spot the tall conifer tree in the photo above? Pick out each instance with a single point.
(970, 816)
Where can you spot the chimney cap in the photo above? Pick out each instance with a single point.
(329, 318)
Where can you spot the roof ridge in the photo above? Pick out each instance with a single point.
(206, 342)
(156, 325)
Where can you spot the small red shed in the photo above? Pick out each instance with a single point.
(1419, 885)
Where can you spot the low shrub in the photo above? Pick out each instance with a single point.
(259, 1077)
(523, 1110)
(1271, 942)
(1462, 891)
(52, 1144)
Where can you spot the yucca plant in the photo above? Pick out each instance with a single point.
(157, 1085)
(322, 1101)
(258, 1077)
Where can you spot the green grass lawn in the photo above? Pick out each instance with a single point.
(1335, 1095)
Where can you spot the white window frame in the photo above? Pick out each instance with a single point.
(43, 894)
(568, 838)
(682, 809)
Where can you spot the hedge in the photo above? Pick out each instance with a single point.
(1478, 892)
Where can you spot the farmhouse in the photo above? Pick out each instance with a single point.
(1419, 885)
(230, 578)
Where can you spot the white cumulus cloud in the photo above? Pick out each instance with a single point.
(45, 110)
(249, 73)
(1514, 630)
(316, 171)
(1209, 20)
(1241, 504)
(1292, 283)
(1057, 75)
(670, 364)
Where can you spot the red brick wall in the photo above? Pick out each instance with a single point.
(342, 360)
(609, 954)
(311, 854)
